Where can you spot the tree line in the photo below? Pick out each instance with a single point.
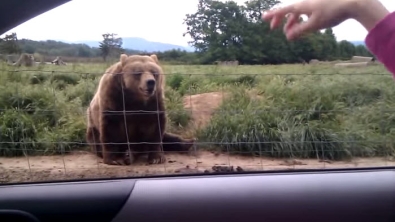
(110, 46)
(220, 31)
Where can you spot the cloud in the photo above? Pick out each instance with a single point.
(154, 20)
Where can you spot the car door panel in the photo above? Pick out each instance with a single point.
(342, 195)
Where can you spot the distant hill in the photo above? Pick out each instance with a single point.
(139, 44)
(129, 43)
(53, 48)
(356, 43)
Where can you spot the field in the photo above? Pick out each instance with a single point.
(253, 117)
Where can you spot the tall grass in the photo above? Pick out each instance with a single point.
(277, 111)
(312, 116)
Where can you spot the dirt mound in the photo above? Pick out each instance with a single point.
(202, 107)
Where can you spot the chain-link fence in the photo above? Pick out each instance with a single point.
(212, 119)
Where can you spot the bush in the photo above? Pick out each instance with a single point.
(246, 80)
(38, 79)
(324, 117)
(71, 79)
(82, 92)
(175, 80)
(176, 114)
(18, 133)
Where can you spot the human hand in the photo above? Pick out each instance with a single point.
(324, 14)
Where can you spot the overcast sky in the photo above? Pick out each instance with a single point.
(154, 20)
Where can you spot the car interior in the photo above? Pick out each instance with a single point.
(335, 195)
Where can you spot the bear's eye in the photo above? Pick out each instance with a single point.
(137, 73)
(154, 72)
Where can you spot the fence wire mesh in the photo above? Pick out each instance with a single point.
(218, 119)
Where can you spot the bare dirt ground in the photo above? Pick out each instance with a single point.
(83, 165)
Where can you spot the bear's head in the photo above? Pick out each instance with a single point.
(142, 75)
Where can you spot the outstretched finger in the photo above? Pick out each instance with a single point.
(280, 12)
(276, 21)
(292, 19)
(298, 29)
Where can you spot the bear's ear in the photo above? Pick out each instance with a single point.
(123, 59)
(155, 58)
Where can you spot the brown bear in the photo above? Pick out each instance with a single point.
(129, 106)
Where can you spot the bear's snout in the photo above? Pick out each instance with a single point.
(150, 85)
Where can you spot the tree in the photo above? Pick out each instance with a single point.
(224, 30)
(361, 50)
(110, 46)
(330, 44)
(29, 49)
(256, 7)
(260, 44)
(84, 51)
(346, 49)
(219, 29)
(9, 44)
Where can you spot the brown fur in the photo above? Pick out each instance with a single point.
(125, 86)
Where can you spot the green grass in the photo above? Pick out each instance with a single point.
(299, 111)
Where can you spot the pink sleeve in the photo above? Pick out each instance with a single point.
(381, 42)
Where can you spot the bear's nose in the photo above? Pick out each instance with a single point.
(150, 84)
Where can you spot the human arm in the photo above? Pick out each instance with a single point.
(380, 24)
(381, 40)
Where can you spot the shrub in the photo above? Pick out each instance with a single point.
(321, 118)
(177, 115)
